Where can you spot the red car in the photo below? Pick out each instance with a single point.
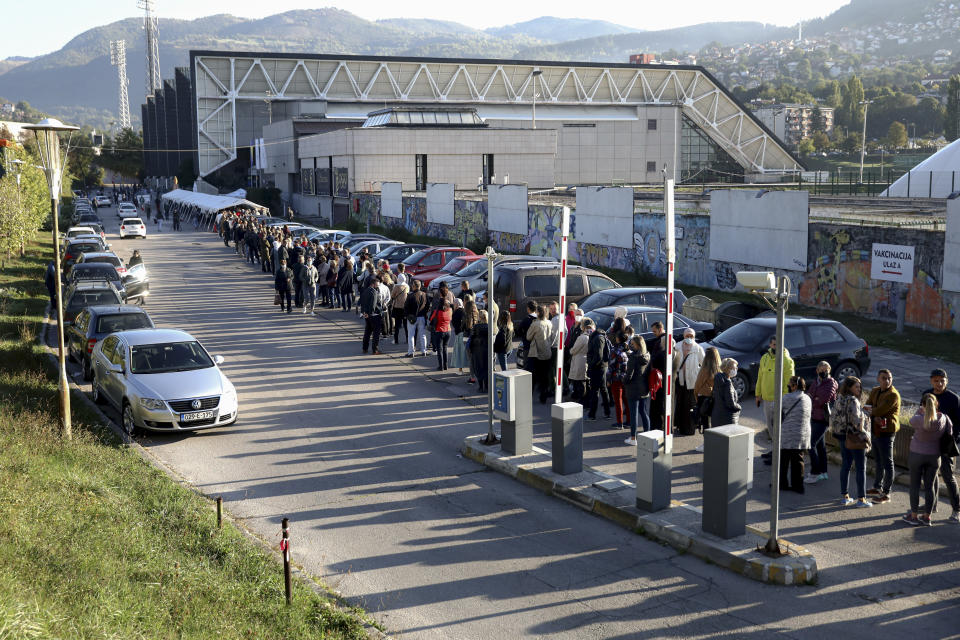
(458, 263)
(425, 265)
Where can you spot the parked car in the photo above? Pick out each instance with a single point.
(476, 272)
(648, 296)
(432, 258)
(642, 317)
(162, 380)
(457, 264)
(107, 257)
(303, 230)
(81, 244)
(396, 253)
(95, 323)
(356, 239)
(87, 293)
(89, 218)
(97, 271)
(373, 246)
(102, 201)
(137, 282)
(85, 230)
(517, 283)
(328, 235)
(132, 227)
(808, 340)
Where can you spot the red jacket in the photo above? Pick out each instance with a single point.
(443, 319)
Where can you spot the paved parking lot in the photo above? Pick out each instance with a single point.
(360, 452)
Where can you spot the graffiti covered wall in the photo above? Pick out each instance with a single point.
(837, 276)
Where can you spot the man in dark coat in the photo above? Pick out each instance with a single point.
(283, 283)
(371, 308)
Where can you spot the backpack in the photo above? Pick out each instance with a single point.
(598, 349)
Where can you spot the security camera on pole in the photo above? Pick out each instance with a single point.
(776, 293)
(48, 145)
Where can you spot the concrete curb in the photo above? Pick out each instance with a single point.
(297, 571)
(678, 526)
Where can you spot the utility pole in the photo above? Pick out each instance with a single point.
(118, 58)
(863, 143)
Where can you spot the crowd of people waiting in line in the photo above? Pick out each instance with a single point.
(623, 372)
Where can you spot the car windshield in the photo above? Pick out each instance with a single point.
(598, 300)
(172, 356)
(122, 322)
(115, 261)
(414, 258)
(601, 319)
(454, 265)
(84, 248)
(83, 299)
(745, 336)
(94, 272)
(474, 268)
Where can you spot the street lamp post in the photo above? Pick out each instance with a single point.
(48, 133)
(863, 142)
(536, 75)
(776, 293)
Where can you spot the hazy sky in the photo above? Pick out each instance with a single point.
(22, 36)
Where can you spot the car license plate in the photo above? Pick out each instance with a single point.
(196, 415)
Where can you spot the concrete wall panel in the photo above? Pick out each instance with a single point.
(508, 208)
(440, 202)
(392, 199)
(605, 216)
(767, 229)
(951, 249)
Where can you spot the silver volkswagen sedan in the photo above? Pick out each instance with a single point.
(162, 380)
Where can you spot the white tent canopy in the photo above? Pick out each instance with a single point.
(936, 177)
(207, 203)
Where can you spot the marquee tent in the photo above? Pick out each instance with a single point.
(207, 203)
(936, 177)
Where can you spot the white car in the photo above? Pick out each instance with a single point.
(132, 227)
(103, 201)
(126, 209)
(162, 380)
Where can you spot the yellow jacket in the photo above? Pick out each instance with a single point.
(768, 368)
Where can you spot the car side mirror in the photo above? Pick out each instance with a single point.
(218, 360)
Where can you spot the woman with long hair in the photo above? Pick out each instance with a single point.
(929, 425)
(848, 423)
(503, 343)
(703, 388)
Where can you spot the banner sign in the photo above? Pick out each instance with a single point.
(892, 262)
(341, 188)
(323, 182)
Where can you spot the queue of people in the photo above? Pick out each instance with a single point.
(622, 372)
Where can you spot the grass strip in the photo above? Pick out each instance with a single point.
(97, 543)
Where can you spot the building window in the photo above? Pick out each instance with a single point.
(702, 160)
(488, 172)
(421, 172)
(652, 124)
(651, 166)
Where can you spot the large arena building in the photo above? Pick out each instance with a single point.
(303, 122)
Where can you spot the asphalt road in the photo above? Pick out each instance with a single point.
(360, 452)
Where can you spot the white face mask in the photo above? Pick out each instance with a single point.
(688, 340)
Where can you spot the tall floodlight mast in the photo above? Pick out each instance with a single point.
(118, 58)
(152, 30)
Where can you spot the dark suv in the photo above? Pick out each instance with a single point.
(86, 293)
(96, 323)
(624, 296)
(808, 340)
(517, 283)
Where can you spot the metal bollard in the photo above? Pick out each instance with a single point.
(567, 437)
(513, 405)
(219, 512)
(654, 463)
(726, 461)
(285, 549)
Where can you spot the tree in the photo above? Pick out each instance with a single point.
(806, 147)
(123, 154)
(24, 206)
(818, 122)
(821, 142)
(951, 122)
(851, 110)
(853, 142)
(896, 135)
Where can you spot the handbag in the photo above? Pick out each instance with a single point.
(655, 382)
(276, 299)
